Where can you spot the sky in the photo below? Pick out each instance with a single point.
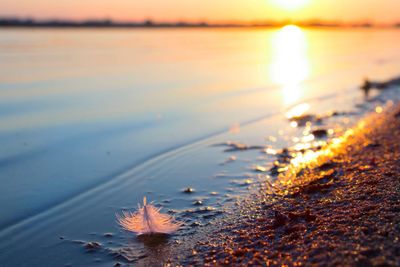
(378, 11)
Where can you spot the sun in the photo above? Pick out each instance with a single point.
(290, 4)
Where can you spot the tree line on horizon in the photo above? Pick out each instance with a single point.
(108, 23)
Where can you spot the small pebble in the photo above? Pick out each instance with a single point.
(188, 190)
(92, 246)
(198, 203)
(260, 169)
(320, 133)
(195, 224)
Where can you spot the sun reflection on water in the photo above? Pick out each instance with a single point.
(298, 110)
(290, 64)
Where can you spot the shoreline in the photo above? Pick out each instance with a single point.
(345, 211)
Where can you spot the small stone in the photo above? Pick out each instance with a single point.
(193, 224)
(372, 145)
(188, 190)
(198, 203)
(280, 219)
(92, 246)
(260, 169)
(320, 133)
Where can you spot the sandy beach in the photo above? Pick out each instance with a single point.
(344, 212)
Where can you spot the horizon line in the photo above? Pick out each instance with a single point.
(148, 23)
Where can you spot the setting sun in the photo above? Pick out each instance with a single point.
(290, 4)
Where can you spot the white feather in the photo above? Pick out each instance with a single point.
(148, 220)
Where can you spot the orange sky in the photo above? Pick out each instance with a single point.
(380, 11)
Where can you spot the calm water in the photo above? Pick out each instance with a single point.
(92, 120)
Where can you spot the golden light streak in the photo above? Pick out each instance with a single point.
(298, 110)
(310, 159)
(290, 64)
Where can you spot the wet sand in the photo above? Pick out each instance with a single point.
(344, 212)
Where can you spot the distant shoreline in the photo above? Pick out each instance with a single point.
(148, 24)
(189, 27)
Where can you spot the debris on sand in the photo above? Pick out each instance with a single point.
(236, 146)
(303, 120)
(368, 85)
(320, 133)
(259, 168)
(91, 246)
(229, 160)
